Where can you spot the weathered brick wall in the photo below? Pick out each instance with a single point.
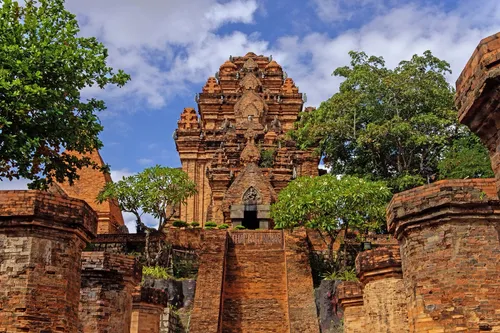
(449, 239)
(384, 299)
(301, 306)
(478, 97)
(147, 309)
(41, 239)
(108, 282)
(205, 317)
(255, 285)
(350, 298)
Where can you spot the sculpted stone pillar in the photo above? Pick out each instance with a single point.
(448, 233)
(350, 297)
(147, 309)
(384, 300)
(108, 282)
(41, 239)
(478, 96)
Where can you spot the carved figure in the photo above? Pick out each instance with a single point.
(251, 196)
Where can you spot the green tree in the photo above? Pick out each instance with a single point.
(157, 191)
(330, 204)
(43, 68)
(467, 157)
(385, 124)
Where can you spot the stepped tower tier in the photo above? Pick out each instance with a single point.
(234, 146)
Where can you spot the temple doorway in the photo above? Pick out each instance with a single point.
(250, 220)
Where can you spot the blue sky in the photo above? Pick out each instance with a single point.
(170, 47)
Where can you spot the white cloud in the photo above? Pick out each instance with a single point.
(396, 35)
(117, 175)
(145, 37)
(345, 10)
(235, 11)
(130, 219)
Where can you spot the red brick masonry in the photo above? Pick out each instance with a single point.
(449, 238)
(384, 300)
(41, 239)
(478, 96)
(108, 282)
(350, 298)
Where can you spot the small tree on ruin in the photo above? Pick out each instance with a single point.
(157, 191)
(44, 65)
(330, 205)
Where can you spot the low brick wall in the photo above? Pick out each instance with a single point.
(384, 299)
(41, 239)
(449, 239)
(108, 282)
(350, 298)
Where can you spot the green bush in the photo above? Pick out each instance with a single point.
(210, 225)
(223, 226)
(155, 272)
(346, 275)
(195, 224)
(180, 224)
(240, 227)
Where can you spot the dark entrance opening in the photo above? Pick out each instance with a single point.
(250, 220)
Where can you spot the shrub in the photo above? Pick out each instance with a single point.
(223, 226)
(195, 224)
(266, 158)
(346, 275)
(155, 272)
(210, 225)
(180, 224)
(240, 227)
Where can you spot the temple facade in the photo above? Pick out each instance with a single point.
(235, 146)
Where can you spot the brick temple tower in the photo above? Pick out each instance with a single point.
(235, 147)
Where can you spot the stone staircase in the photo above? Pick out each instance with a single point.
(255, 296)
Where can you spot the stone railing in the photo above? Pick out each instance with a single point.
(257, 237)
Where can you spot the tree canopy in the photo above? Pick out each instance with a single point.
(466, 157)
(387, 124)
(152, 191)
(44, 65)
(157, 191)
(329, 204)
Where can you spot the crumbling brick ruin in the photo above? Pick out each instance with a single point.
(441, 276)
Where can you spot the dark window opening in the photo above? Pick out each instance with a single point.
(250, 220)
